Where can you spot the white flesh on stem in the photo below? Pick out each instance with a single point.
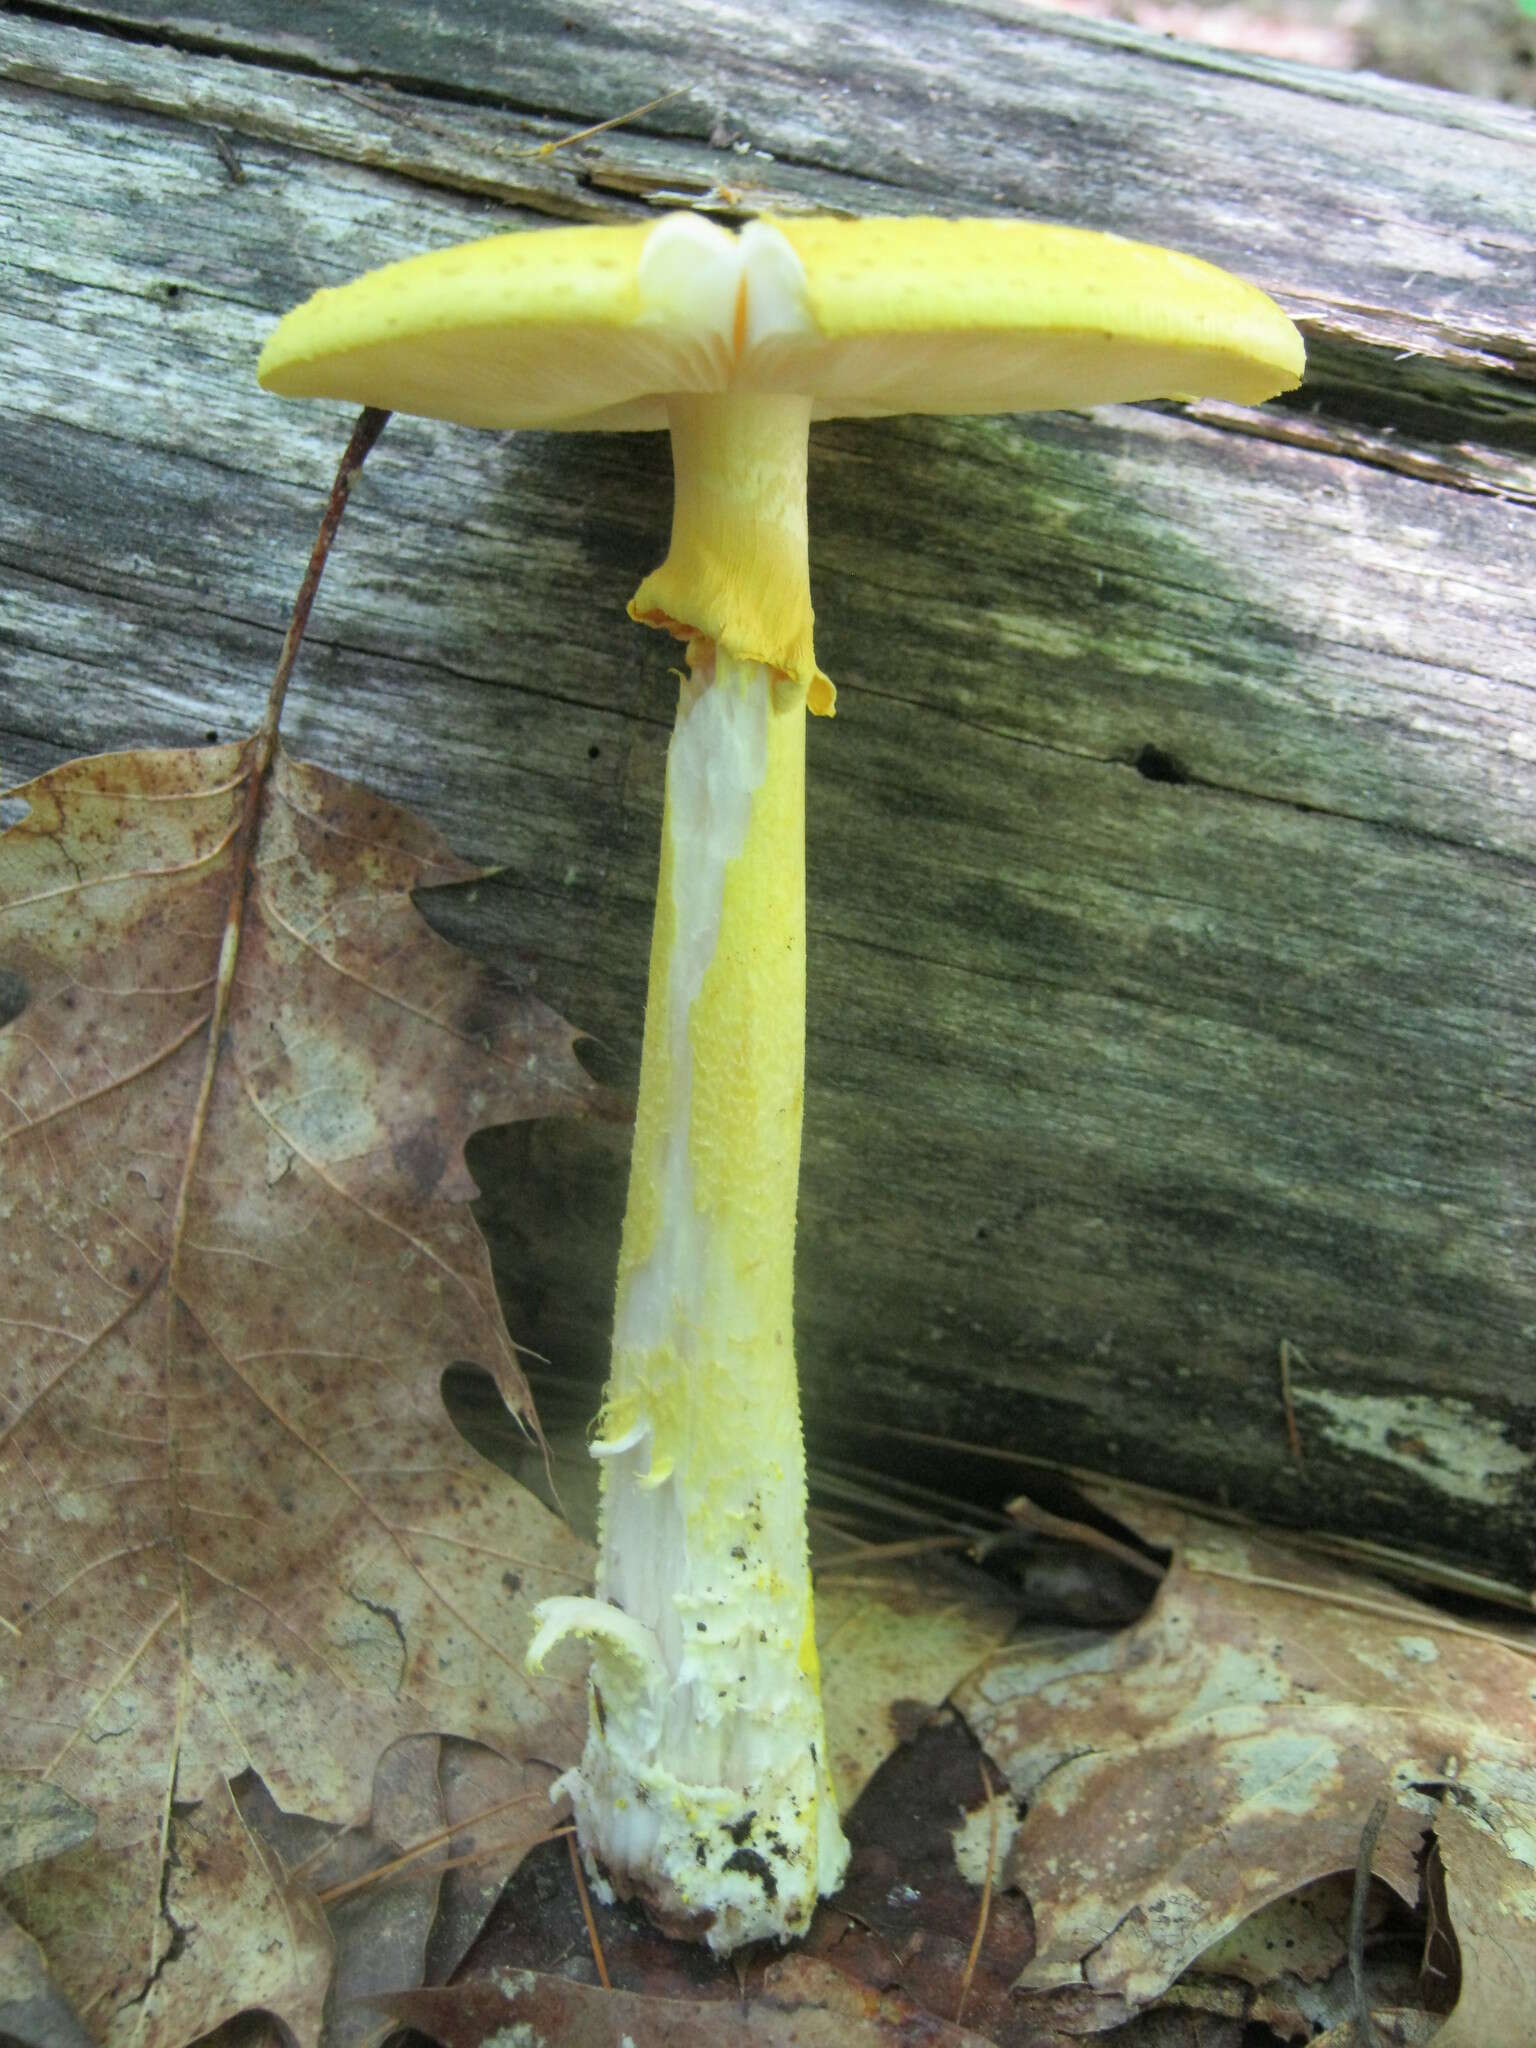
(703, 1788)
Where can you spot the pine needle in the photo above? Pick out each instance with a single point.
(985, 1913)
(417, 1850)
(1424, 1618)
(875, 1553)
(601, 127)
(586, 1912)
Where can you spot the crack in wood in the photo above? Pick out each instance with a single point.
(1318, 437)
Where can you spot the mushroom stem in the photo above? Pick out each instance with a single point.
(703, 1788)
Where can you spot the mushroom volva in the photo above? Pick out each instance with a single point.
(703, 1788)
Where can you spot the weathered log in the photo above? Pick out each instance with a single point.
(1172, 853)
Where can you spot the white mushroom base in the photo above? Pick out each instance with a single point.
(729, 1863)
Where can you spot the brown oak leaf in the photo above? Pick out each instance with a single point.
(1229, 1749)
(238, 1532)
(1488, 1882)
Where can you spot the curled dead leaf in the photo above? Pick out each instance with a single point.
(1228, 1749)
(1489, 1875)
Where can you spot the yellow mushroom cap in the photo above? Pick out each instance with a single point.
(596, 327)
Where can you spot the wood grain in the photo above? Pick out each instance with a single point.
(1172, 852)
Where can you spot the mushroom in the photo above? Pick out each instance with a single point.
(703, 1788)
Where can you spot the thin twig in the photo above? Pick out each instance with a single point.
(500, 1848)
(1289, 1355)
(257, 767)
(868, 1927)
(227, 157)
(1424, 1618)
(412, 117)
(371, 422)
(1381, 1557)
(877, 1553)
(843, 1526)
(986, 1893)
(586, 1912)
(417, 1850)
(1042, 1520)
(1365, 2026)
(481, 1855)
(867, 1427)
(900, 1499)
(602, 127)
(1423, 1571)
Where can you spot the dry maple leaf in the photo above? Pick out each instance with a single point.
(1229, 1748)
(238, 1531)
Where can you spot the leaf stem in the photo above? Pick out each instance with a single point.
(1365, 2026)
(370, 425)
(371, 422)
